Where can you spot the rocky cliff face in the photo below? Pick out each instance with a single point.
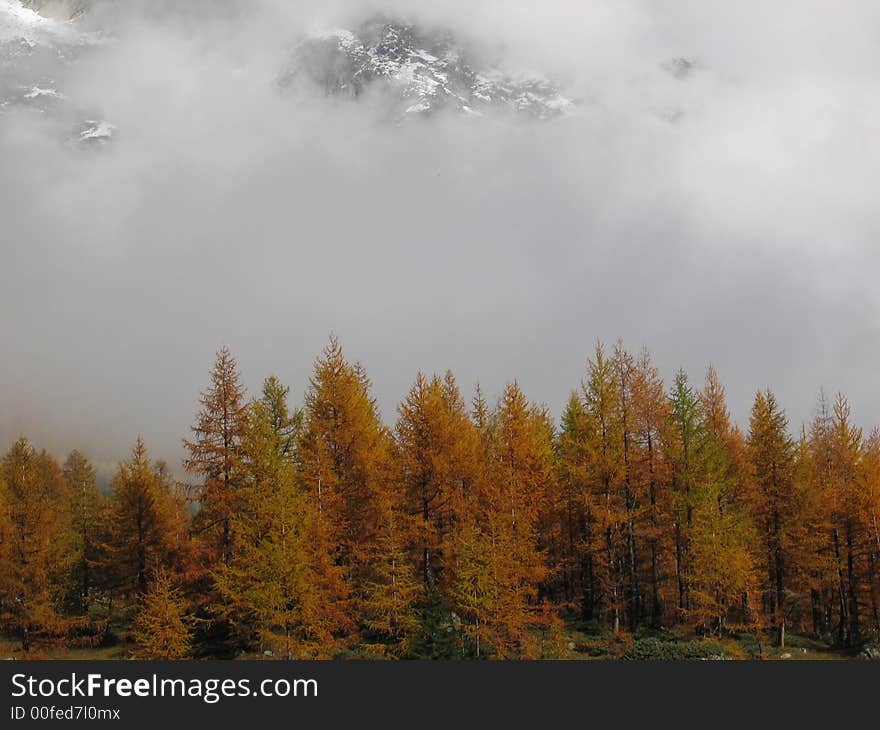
(420, 72)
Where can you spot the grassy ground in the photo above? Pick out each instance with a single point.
(578, 643)
(12, 650)
(584, 642)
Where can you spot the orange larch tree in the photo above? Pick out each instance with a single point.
(214, 456)
(606, 468)
(870, 488)
(87, 508)
(574, 556)
(343, 455)
(848, 531)
(515, 494)
(436, 463)
(651, 470)
(147, 527)
(772, 456)
(37, 541)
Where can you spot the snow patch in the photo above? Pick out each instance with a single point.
(96, 131)
(36, 92)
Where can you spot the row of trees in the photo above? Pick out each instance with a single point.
(467, 530)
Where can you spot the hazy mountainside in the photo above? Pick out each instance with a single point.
(36, 50)
(62, 9)
(422, 72)
(414, 71)
(408, 70)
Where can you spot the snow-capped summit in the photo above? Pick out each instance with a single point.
(422, 72)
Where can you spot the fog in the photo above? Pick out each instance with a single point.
(726, 217)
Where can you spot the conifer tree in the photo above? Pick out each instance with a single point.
(516, 492)
(480, 415)
(607, 505)
(575, 559)
(772, 454)
(651, 415)
(284, 423)
(714, 405)
(870, 485)
(686, 436)
(847, 500)
(38, 547)
(214, 454)
(624, 371)
(436, 463)
(87, 505)
(7, 536)
(393, 591)
(271, 591)
(475, 591)
(162, 629)
(147, 528)
(815, 467)
(723, 575)
(343, 453)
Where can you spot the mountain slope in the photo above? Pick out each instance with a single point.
(419, 71)
(36, 49)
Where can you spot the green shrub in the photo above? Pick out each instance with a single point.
(656, 649)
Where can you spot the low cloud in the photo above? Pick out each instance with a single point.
(725, 216)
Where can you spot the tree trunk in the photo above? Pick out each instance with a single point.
(679, 570)
(631, 562)
(872, 568)
(841, 590)
(816, 608)
(852, 582)
(780, 576)
(656, 608)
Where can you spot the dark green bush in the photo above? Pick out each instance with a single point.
(656, 649)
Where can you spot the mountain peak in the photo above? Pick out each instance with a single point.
(422, 71)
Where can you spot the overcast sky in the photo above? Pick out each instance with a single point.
(744, 232)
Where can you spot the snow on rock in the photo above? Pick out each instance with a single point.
(424, 72)
(18, 22)
(95, 130)
(36, 92)
(35, 50)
